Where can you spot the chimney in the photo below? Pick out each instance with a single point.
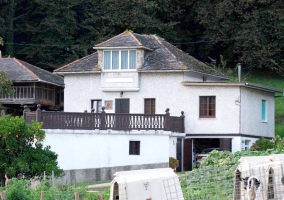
(239, 71)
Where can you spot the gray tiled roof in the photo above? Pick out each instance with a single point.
(87, 63)
(159, 55)
(20, 71)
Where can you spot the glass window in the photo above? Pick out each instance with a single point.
(106, 59)
(134, 147)
(149, 106)
(124, 59)
(119, 60)
(132, 59)
(207, 107)
(264, 111)
(97, 105)
(115, 59)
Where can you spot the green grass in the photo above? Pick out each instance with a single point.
(273, 80)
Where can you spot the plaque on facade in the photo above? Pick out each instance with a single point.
(108, 105)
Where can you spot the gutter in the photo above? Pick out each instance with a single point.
(128, 48)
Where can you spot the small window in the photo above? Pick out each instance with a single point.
(134, 147)
(149, 106)
(264, 111)
(207, 106)
(97, 105)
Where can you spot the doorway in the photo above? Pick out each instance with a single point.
(121, 105)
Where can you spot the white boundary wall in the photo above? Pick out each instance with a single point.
(80, 149)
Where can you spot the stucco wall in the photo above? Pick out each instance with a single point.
(251, 123)
(95, 149)
(168, 92)
(99, 150)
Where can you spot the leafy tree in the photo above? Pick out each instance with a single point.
(22, 150)
(242, 31)
(1, 41)
(6, 86)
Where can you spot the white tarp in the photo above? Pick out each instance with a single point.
(149, 184)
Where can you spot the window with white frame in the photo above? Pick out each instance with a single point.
(247, 145)
(119, 60)
(264, 111)
(97, 105)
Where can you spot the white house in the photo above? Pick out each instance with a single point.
(134, 73)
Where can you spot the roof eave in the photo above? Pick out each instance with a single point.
(79, 72)
(130, 47)
(235, 84)
(185, 70)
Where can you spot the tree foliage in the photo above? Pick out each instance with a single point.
(22, 150)
(51, 33)
(6, 86)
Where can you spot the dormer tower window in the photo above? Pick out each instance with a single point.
(119, 60)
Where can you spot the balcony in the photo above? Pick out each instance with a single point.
(104, 121)
(30, 95)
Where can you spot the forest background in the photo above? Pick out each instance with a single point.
(52, 33)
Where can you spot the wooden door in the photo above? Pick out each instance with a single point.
(122, 106)
(187, 159)
(226, 144)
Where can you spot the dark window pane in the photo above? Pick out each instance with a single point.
(207, 107)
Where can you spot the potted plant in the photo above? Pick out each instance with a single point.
(173, 163)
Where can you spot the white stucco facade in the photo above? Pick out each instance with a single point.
(238, 109)
(93, 155)
(78, 149)
(237, 122)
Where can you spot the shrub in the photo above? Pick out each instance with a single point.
(22, 151)
(173, 163)
(262, 144)
(19, 190)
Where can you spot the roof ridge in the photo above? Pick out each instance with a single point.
(166, 48)
(38, 68)
(27, 69)
(110, 39)
(74, 62)
(134, 37)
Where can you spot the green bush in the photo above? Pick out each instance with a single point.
(22, 151)
(18, 190)
(262, 144)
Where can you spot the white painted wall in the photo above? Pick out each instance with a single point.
(251, 123)
(169, 92)
(239, 143)
(172, 147)
(79, 149)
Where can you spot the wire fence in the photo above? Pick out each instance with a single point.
(255, 178)
(208, 183)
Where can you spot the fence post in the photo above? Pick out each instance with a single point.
(103, 119)
(3, 196)
(182, 118)
(77, 196)
(42, 195)
(100, 197)
(24, 112)
(168, 120)
(38, 113)
(52, 175)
